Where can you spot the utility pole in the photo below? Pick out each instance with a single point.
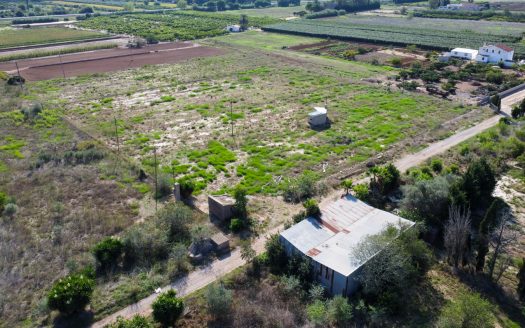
(62, 66)
(19, 76)
(156, 191)
(231, 115)
(116, 135)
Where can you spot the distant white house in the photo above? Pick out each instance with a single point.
(461, 6)
(464, 53)
(488, 53)
(330, 241)
(318, 117)
(233, 28)
(495, 54)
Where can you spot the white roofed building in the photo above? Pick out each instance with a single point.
(464, 53)
(318, 117)
(329, 241)
(495, 54)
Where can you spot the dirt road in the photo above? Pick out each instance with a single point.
(191, 283)
(508, 102)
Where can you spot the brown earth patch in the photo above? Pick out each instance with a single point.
(102, 61)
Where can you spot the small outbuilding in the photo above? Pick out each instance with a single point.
(221, 207)
(221, 243)
(233, 28)
(318, 117)
(464, 53)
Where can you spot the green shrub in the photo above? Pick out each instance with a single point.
(436, 165)
(71, 294)
(167, 308)
(219, 300)
(361, 192)
(469, 310)
(144, 244)
(316, 312)
(3, 201)
(186, 188)
(241, 202)
(108, 252)
(312, 209)
(236, 225)
(276, 254)
(136, 322)
(338, 311)
(396, 61)
(164, 186)
(10, 210)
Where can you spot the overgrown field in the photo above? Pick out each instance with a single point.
(43, 35)
(69, 193)
(181, 25)
(183, 111)
(372, 31)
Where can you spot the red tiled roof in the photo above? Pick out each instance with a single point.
(504, 47)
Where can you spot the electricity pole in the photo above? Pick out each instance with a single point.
(19, 76)
(231, 115)
(155, 161)
(116, 135)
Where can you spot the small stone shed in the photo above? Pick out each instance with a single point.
(221, 243)
(221, 207)
(318, 117)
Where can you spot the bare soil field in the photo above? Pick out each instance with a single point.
(107, 60)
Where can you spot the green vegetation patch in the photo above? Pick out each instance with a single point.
(23, 37)
(170, 26)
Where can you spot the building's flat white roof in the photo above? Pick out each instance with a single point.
(343, 225)
(307, 234)
(465, 50)
(318, 111)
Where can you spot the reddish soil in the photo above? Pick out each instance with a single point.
(101, 61)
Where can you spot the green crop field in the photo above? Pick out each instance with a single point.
(43, 35)
(182, 25)
(433, 38)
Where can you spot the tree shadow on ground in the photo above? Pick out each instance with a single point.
(79, 320)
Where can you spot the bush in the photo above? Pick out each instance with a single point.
(10, 210)
(468, 310)
(164, 186)
(241, 203)
(428, 198)
(361, 192)
(495, 77)
(136, 322)
(108, 252)
(176, 217)
(277, 258)
(71, 294)
(3, 201)
(324, 13)
(396, 61)
(236, 225)
(317, 312)
(312, 209)
(301, 188)
(167, 308)
(219, 300)
(338, 311)
(186, 188)
(436, 165)
(144, 244)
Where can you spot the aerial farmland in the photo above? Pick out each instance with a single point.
(160, 166)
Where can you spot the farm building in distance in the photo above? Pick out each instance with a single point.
(488, 54)
(233, 28)
(464, 53)
(318, 117)
(495, 54)
(330, 240)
